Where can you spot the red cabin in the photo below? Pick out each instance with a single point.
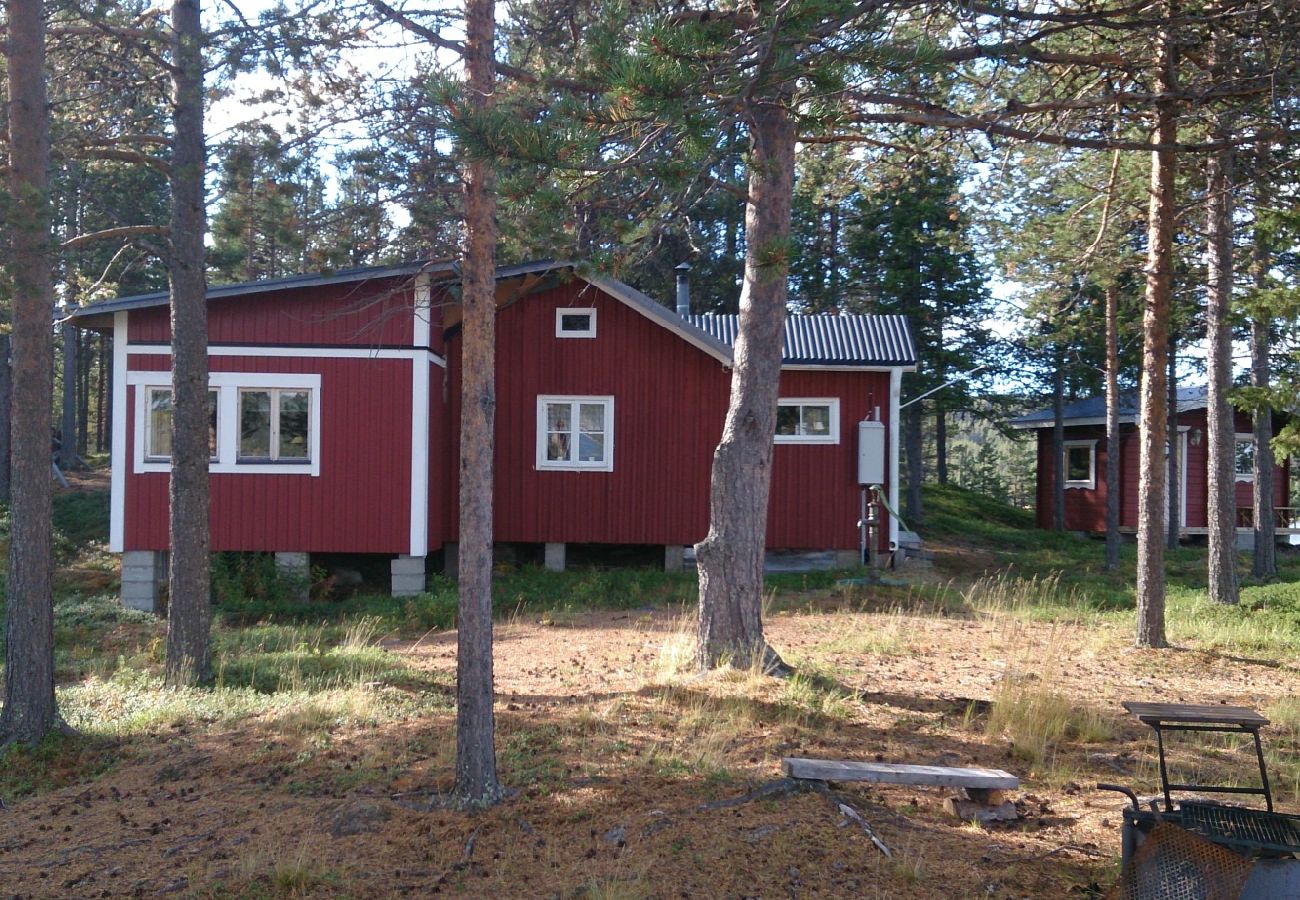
(1084, 464)
(335, 423)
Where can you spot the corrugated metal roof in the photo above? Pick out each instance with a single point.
(1091, 408)
(826, 340)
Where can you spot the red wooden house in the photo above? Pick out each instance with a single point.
(1084, 464)
(336, 414)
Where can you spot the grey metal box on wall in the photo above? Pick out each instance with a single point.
(871, 452)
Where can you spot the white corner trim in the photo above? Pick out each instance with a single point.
(1089, 484)
(117, 494)
(548, 465)
(422, 329)
(227, 385)
(831, 437)
(419, 529)
(895, 389)
(588, 332)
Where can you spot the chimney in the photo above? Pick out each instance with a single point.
(683, 289)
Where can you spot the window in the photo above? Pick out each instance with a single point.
(575, 433)
(158, 433)
(1081, 464)
(808, 421)
(261, 422)
(1244, 458)
(274, 425)
(575, 323)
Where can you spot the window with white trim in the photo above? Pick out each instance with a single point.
(1080, 464)
(575, 323)
(275, 425)
(158, 430)
(808, 421)
(261, 422)
(1244, 457)
(575, 433)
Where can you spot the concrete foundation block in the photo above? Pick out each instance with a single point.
(1246, 540)
(848, 559)
(408, 578)
(142, 572)
(674, 557)
(554, 557)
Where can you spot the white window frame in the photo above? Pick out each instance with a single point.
(273, 438)
(832, 437)
(588, 332)
(228, 386)
(605, 465)
(148, 392)
(1240, 438)
(1079, 484)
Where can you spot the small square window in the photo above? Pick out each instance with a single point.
(275, 425)
(1081, 464)
(575, 433)
(575, 323)
(808, 421)
(158, 433)
(1244, 459)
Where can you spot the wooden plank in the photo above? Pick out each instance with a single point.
(893, 773)
(1194, 714)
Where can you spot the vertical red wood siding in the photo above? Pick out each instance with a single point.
(669, 402)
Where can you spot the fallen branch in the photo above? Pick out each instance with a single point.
(853, 815)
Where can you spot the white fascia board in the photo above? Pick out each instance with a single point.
(303, 352)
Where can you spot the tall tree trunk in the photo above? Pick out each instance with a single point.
(1265, 563)
(101, 392)
(914, 450)
(189, 616)
(68, 426)
(476, 763)
(731, 556)
(1220, 434)
(30, 711)
(6, 409)
(1113, 448)
(1174, 522)
(1153, 425)
(84, 355)
(1058, 440)
(940, 445)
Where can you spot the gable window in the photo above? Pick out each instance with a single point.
(575, 433)
(274, 425)
(575, 323)
(158, 432)
(1080, 464)
(808, 421)
(1244, 457)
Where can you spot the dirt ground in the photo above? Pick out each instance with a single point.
(618, 763)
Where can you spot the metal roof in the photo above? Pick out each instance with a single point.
(1093, 409)
(829, 340)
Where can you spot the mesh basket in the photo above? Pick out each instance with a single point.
(1174, 864)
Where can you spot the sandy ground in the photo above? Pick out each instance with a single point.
(613, 761)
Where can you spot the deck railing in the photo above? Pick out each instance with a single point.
(1284, 518)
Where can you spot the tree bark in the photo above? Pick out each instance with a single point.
(731, 556)
(30, 710)
(6, 407)
(1153, 425)
(1113, 447)
(476, 766)
(68, 426)
(1058, 438)
(1220, 434)
(941, 445)
(1265, 563)
(914, 450)
(189, 616)
(1174, 520)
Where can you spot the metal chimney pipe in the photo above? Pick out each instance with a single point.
(683, 289)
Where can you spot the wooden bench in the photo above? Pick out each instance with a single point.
(983, 788)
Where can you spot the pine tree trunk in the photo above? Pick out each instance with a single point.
(101, 392)
(914, 450)
(6, 407)
(1058, 441)
(30, 711)
(189, 616)
(1113, 447)
(1220, 433)
(731, 556)
(68, 425)
(941, 445)
(476, 765)
(83, 356)
(1174, 520)
(1265, 564)
(1153, 404)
